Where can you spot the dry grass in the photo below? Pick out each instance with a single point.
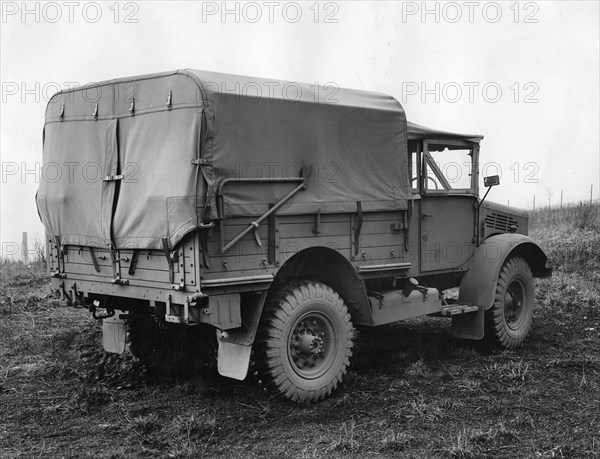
(570, 236)
(413, 391)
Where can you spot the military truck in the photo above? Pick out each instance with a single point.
(269, 218)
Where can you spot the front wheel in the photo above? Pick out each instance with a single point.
(305, 342)
(509, 319)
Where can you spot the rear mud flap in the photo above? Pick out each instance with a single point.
(114, 335)
(234, 360)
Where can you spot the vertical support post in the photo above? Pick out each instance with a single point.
(534, 202)
(271, 237)
(24, 251)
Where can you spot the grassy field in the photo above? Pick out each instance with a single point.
(413, 391)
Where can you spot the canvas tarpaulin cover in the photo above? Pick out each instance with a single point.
(141, 160)
(418, 132)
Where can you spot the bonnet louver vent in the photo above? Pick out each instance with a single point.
(500, 222)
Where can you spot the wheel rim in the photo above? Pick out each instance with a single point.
(514, 300)
(311, 345)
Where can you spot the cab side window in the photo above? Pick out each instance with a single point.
(448, 166)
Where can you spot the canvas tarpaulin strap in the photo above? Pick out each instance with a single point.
(350, 146)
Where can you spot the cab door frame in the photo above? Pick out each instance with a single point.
(447, 217)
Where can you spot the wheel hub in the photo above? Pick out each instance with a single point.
(513, 303)
(308, 349)
(310, 344)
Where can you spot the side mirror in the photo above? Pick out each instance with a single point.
(489, 182)
(492, 180)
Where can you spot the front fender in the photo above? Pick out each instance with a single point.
(478, 285)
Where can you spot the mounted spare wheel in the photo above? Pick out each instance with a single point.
(509, 320)
(305, 342)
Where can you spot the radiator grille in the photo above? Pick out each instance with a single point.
(500, 222)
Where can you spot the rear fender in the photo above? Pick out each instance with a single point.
(318, 263)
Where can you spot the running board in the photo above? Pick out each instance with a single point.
(455, 309)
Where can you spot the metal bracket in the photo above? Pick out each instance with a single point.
(109, 313)
(203, 239)
(132, 107)
(110, 178)
(245, 334)
(201, 162)
(134, 260)
(179, 287)
(96, 113)
(358, 227)
(397, 227)
(169, 101)
(208, 225)
(94, 260)
(271, 249)
(170, 259)
(79, 299)
(62, 112)
(60, 253)
(115, 262)
(256, 235)
(119, 281)
(69, 300)
(316, 229)
(170, 317)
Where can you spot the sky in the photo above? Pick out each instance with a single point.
(523, 74)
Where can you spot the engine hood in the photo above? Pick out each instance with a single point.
(497, 218)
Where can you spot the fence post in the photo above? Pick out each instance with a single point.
(561, 199)
(24, 252)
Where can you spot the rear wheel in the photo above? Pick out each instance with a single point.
(509, 320)
(305, 342)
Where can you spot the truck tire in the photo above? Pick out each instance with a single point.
(304, 343)
(509, 320)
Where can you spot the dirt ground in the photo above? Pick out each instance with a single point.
(414, 391)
